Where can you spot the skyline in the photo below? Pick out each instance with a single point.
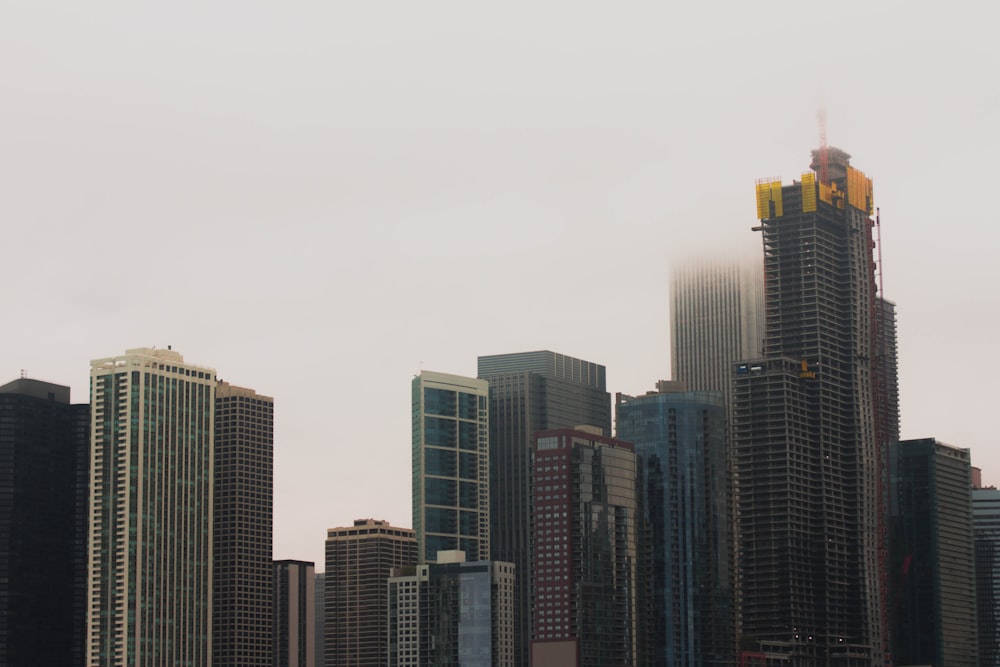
(279, 195)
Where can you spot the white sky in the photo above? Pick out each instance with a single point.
(320, 199)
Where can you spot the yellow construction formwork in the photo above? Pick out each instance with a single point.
(808, 192)
(768, 193)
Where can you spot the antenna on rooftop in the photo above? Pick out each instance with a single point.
(824, 153)
(24, 374)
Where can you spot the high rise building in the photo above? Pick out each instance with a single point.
(320, 614)
(531, 392)
(150, 576)
(809, 443)
(584, 556)
(986, 542)
(452, 612)
(680, 445)
(451, 465)
(294, 609)
(932, 564)
(359, 560)
(716, 318)
(44, 453)
(243, 527)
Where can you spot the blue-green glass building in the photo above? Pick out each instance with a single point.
(451, 472)
(686, 532)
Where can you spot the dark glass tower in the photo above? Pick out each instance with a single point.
(244, 490)
(585, 560)
(44, 456)
(680, 445)
(809, 439)
(933, 567)
(531, 392)
(986, 536)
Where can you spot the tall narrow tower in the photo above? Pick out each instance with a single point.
(531, 392)
(243, 527)
(451, 465)
(809, 444)
(150, 575)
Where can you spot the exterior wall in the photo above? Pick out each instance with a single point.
(584, 560)
(463, 613)
(359, 560)
(986, 534)
(531, 392)
(680, 445)
(716, 318)
(244, 492)
(150, 579)
(44, 453)
(293, 612)
(933, 566)
(451, 465)
(809, 446)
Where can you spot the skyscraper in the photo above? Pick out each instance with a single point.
(243, 527)
(293, 614)
(809, 445)
(716, 318)
(150, 576)
(452, 612)
(932, 563)
(986, 541)
(585, 557)
(451, 469)
(359, 560)
(44, 452)
(531, 392)
(683, 486)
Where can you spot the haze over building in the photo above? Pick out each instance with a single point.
(810, 446)
(716, 318)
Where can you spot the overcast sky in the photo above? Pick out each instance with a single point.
(320, 199)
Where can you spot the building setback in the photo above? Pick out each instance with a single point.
(683, 486)
(243, 527)
(150, 542)
(986, 542)
(451, 465)
(450, 612)
(44, 454)
(294, 613)
(809, 442)
(531, 392)
(359, 560)
(932, 563)
(584, 556)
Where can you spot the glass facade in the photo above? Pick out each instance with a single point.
(450, 465)
(680, 444)
(584, 550)
(531, 392)
(453, 613)
(152, 419)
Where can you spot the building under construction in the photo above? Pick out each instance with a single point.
(811, 424)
